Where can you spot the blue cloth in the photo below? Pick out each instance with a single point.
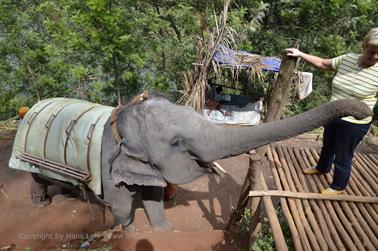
(227, 57)
(340, 139)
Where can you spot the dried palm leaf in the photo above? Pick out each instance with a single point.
(194, 82)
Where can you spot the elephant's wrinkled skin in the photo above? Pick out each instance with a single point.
(163, 142)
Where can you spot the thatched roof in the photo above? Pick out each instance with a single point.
(213, 53)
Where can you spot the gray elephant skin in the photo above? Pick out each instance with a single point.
(162, 141)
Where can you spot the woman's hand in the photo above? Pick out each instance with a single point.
(320, 63)
(294, 52)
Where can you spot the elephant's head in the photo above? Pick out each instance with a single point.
(163, 141)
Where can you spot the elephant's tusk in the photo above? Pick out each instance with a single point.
(218, 168)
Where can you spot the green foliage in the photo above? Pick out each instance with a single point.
(374, 129)
(243, 226)
(375, 110)
(265, 240)
(91, 49)
(96, 49)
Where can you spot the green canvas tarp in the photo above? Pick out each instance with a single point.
(67, 132)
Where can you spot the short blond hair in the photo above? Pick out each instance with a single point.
(371, 37)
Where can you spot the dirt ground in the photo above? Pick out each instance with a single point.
(198, 213)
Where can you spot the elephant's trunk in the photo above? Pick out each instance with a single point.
(218, 142)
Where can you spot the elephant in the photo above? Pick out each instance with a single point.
(153, 141)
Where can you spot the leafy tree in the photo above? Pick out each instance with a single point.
(107, 50)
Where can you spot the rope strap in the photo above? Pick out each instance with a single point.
(116, 111)
(113, 122)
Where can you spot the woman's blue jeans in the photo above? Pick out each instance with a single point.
(340, 139)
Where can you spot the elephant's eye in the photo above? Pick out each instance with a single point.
(176, 142)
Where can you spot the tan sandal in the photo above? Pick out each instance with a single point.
(330, 191)
(311, 171)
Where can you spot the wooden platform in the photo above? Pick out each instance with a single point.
(322, 223)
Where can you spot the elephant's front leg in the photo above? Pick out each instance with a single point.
(154, 206)
(120, 200)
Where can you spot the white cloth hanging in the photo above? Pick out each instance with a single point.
(305, 84)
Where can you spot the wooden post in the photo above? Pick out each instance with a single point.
(250, 183)
(279, 92)
(255, 162)
(276, 102)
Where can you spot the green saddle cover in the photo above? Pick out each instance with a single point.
(67, 132)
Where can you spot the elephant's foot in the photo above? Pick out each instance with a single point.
(38, 192)
(41, 200)
(165, 226)
(126, 222)
(129, 228)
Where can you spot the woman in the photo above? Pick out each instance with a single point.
(357, 78)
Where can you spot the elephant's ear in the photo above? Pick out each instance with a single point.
(135, 172)
(133, 151)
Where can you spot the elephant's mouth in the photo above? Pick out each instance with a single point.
(191, 172)
(191, 167)
(206, 166)
(202, 166)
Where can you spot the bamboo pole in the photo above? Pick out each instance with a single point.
(278, 236)
(356, 188)
(359, 211)
(330, 232)
(344, 206)
(276, 102)
(313, 229)
(369, 215)
(294, 211)
(316, 185)
(363, 178)
(293, 229)
(369, 159)
(243, 199)
(374, 158)
(314, 196)
(280, 91)
(366, 170)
